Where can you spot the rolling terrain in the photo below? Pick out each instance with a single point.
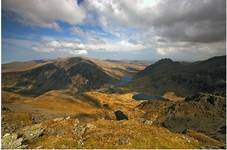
(76, 74)
(78, 103)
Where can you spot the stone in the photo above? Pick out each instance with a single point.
(144, 121)
(80, 130)
(141, 120)
(80, 142)
(58, 119)
(123, 141)
(67, 118)
(11, 141)
(148, 122)
(39, 147)
(186, 138)
(76, 122)
(6, 109)
(120, 115)
(90, 126)
(32, 132)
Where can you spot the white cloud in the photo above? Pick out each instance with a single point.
(191, 21)
(68, 47)
(77, 47)
(184, 50)
(195, 28)
(45, 13)
(171, 28)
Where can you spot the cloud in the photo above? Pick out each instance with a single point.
(178, 20)
(171, 28)
(18, 42)
(77, 47)
(188, 51)
(68, 47)
(45, 13)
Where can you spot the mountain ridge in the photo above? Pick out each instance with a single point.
(183, 78)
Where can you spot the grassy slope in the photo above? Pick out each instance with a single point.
(118, 134)
(107, 133)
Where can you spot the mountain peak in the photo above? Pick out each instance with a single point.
(165, 61)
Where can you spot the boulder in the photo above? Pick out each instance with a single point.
(32, 132)
(11, 141)
(120, 115)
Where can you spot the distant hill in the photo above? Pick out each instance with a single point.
(21, 66)
(116, 69)
(74, 73)
(183, 78)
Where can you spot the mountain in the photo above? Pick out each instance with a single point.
(183, 78)
(73, 73)
(78, 103)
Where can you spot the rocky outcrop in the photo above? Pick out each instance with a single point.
(17, 140)
(202, 112)
(11, 141)
(31, 133)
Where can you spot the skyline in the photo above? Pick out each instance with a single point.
(143, 30)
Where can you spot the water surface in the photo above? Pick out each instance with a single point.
(142, 96)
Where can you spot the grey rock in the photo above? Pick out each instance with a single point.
(11, 141)
(76, 122)
(90, 126)
(141, 120)
(67, 118)
(32, 132)
(80, 130)
(39, 147)
(58, 119)
(123, 141)
(144, 121)
(148, 122)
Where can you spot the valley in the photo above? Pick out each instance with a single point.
(89, 103)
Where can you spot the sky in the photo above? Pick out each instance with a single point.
(184, 30)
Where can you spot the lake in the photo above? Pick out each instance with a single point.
(142, 96)
(124, 80)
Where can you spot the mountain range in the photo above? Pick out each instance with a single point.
(81, 102)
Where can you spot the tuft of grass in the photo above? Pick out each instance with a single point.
(108, 134)
(206, 140)
(12, 121)
(54, 142)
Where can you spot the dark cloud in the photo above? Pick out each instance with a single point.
(193, 21)
(170, 28)
(178, 20)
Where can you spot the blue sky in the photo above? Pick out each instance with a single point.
(143, 30)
